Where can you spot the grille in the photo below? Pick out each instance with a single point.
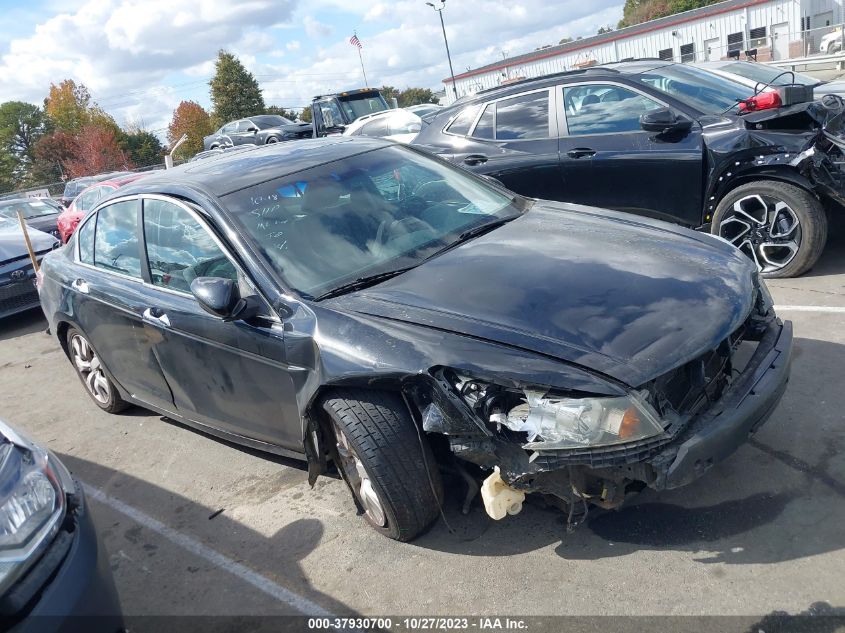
(19, 296)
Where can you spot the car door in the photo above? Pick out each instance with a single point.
(226, 134)
(245, 133)
(231, 376)
(607, 160)
(107, 300)
(515, 141)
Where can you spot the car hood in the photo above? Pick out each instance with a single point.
(13, 246)
(295, 128)
(628, 298)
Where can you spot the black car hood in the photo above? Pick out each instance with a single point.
(293, 128)
(626, 297)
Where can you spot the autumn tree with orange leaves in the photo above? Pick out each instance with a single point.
(189, 118)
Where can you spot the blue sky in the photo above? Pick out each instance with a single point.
(140, 58)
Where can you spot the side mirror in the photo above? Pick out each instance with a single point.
(252, 129)
(664, 121)
(219, 297)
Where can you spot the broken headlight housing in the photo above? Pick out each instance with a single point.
(32, 503)
(542, 420)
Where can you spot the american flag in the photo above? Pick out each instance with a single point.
(355, 41)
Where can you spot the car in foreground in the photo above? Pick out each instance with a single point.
(263, 129)
(17, 277)
(760, 77)
(39, 213)
(542, 347)
(88, 198)
(54, 572)
(397, 125)
(665, 140)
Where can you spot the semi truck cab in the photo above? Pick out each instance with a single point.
(330, 114)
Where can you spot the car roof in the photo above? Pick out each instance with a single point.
(606, 71)
(229, 172)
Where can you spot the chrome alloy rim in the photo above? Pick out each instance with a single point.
(765, 229)
(359, 479)
(89, 367)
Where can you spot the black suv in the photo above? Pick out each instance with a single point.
(660, 139)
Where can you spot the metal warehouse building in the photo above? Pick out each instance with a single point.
(759, 29)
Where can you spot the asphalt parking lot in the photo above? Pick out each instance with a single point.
(195, 525)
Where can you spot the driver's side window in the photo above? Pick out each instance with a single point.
(604, 109)
(179, 248)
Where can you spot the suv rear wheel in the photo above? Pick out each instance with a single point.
(391, 473)
(783, 228)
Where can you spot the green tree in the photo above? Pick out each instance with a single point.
(144, 148)
(288, 114)
(414, 96)
(189, 118)
(389, 92)
(305, 115)
(234, 91)
(21, 125)
(638, 11)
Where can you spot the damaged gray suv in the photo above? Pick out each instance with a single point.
(352, 301)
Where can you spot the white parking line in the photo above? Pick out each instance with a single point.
(810, 308)
(262, 583)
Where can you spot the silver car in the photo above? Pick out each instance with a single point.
(756, 76)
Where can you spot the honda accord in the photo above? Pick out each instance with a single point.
(353, 301)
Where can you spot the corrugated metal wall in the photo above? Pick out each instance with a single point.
(708, 37)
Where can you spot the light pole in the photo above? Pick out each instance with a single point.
(446, 41)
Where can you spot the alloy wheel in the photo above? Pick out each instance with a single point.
(89, 367)
(359, 479)
(764, 228)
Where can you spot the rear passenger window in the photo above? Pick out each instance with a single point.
(180, 249)
(86, 241)
(523, 117)
(463, 122)
(116, 239)
(484, 129)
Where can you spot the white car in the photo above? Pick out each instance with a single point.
(831, 43)
(756, 76)
(398, 125)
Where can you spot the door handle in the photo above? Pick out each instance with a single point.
(475, 159)
(81, 286)
(581, 152)
(156, 316)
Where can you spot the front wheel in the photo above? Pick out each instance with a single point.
(392, 473)
(781, 227)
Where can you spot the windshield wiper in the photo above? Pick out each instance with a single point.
(363, 282)
(475, 231)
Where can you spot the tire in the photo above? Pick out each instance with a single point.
(782, 227)
(96, 380)
(270, 140)
(379, 432)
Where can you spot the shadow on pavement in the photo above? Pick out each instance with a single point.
(832, 261)
(761, 505)
(21, 324)
(276, 557)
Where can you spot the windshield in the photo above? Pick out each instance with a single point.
(372, 213)
(768, 74)
(29, 209)
(266, 121)
(705, 91)
(358, 106)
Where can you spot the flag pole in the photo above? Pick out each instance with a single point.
(362, 67)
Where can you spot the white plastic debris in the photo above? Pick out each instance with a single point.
(499, 498)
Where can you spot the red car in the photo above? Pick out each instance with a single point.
(88, 199)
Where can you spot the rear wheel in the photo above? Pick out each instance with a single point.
(781, 227)
(92, 373)
(392, 475)
(272, 139)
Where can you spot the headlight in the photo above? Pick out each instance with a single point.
(554, 422)
(32, 504)
(560, 423)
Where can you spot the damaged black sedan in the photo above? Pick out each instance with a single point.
(354, 301)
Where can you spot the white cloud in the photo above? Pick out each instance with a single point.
(315, 28)
(293, 46)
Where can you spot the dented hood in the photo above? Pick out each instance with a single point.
(13, 245)
(626, 297)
